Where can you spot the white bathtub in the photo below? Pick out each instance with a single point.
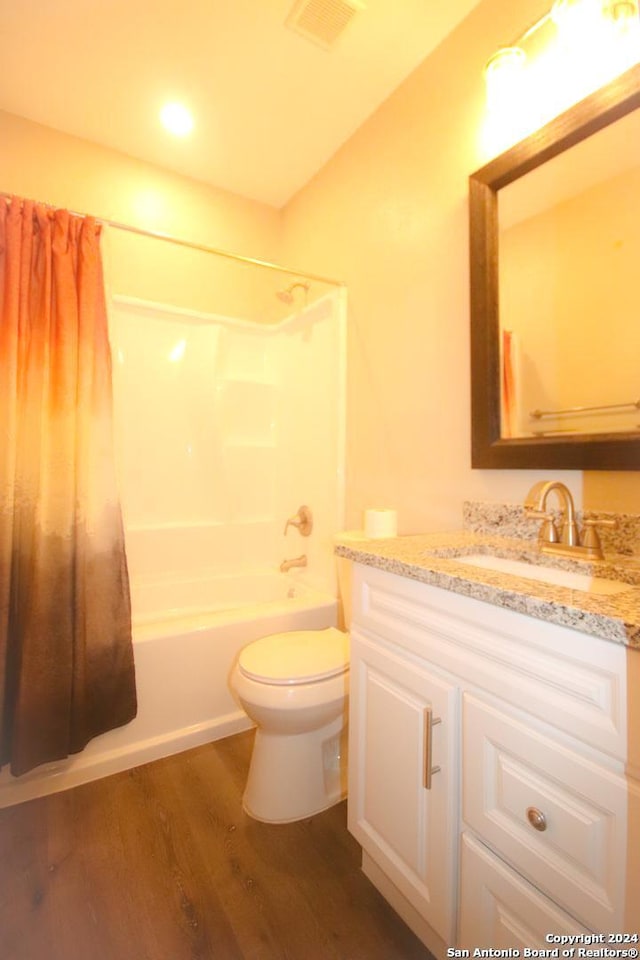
(187, 634)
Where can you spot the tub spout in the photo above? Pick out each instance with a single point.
(296, 562)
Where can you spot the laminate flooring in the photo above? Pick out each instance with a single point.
(161, 863)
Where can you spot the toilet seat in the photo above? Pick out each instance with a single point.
(296, 657)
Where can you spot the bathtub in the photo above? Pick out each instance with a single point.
(187, 634)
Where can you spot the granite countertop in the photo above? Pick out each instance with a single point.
(432, 558)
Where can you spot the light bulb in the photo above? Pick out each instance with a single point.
(578, 20)
(624, 13)
(503, 76)
(176, 119)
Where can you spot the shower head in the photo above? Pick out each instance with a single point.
(287, 295)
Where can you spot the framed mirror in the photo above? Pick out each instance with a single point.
(555, 292)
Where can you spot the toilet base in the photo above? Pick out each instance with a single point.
(294, 777)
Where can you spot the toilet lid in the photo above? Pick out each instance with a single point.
(299, 656)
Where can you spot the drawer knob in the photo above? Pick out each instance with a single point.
(536, 818)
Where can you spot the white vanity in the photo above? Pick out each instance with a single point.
(494, 755)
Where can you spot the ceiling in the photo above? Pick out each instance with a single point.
(270, 105)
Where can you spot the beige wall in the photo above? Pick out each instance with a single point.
(388, 214)
(46, 165)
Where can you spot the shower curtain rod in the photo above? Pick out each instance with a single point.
(191, 245)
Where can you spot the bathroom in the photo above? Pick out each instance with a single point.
(386, 216)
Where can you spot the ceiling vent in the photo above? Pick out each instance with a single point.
(323, 20)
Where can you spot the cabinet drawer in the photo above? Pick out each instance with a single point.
(575, 681)
(578, 853)
(501, 910)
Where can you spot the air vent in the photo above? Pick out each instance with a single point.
(323, 21)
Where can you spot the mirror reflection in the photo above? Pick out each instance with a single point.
(569, 265)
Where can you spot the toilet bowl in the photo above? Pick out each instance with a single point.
(295, 687)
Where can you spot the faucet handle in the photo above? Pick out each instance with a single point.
(600, 522)
(590, 537)
(548, 532)
(303, 520)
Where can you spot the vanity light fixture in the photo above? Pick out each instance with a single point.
(575, 48)
(503, 73)
(578, 19)
(625, 20)
(176, 119)
(624, 11)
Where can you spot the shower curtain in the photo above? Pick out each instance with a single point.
(66, 660)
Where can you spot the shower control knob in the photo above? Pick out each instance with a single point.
(303, 520)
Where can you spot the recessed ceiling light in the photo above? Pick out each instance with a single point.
(176, 119)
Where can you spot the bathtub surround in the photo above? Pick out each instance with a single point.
(66, 661)
(223, 426)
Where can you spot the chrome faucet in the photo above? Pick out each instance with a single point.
(296, 562)
(568, 543)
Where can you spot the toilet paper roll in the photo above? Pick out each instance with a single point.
(380, 522)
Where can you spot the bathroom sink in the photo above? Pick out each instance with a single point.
(531, 571)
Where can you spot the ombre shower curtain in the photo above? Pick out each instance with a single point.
(66, 660)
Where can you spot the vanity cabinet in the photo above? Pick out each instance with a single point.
(529, 822)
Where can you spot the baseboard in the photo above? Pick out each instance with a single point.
(85, 767)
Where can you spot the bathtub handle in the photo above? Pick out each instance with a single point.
(303, 520)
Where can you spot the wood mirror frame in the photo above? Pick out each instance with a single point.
(612, 451)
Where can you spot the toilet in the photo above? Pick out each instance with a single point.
(295, 687)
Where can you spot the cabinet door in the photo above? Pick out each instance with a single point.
(499, 909)
(403, 721)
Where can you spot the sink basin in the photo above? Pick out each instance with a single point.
(530, 571)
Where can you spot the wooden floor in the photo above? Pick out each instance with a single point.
(161, 863)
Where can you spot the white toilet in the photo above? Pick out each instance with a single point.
(295, 687)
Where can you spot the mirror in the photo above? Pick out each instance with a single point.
(555, 304)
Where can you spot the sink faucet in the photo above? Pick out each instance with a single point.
(568, 544)
(536, 506)
(296, 562)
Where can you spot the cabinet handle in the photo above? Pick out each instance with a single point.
(536, 818)
(429, 724)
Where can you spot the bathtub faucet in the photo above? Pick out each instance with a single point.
(296, 562)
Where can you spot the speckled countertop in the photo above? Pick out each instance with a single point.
(433, 559)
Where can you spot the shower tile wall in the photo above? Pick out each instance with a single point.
(222, 430)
